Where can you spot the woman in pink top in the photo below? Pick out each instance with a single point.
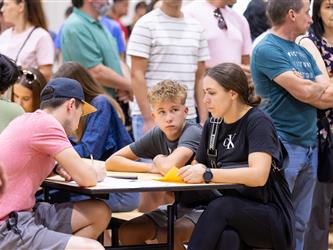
(28, 42)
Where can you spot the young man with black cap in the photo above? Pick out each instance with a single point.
(30, 147)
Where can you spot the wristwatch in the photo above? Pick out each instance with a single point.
(208, 175)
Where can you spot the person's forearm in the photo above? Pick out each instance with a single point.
(162, 164)
(248, 176)
(140, 91)
(89, 179)
(109, 78)
(119, 163)
(202, 110)
(326, 99)
(312, 92)
(319, 95)
(199, 94)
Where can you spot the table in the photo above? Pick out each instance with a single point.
(138, 182)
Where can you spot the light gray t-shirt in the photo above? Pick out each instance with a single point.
(155, 142)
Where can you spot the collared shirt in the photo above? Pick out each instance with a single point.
(225, 45)
(86, 41)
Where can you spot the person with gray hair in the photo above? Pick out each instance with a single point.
(288, 79)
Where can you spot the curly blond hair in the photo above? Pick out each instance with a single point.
(167, 90)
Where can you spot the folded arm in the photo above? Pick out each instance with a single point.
(318, 94)
(125, 160)
(178, 158)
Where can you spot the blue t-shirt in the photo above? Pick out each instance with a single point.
(115, 30)
(295, 121)
(57, 41)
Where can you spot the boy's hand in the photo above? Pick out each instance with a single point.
(100, 172)
(153, 169)
(157, 162)
(192, 173)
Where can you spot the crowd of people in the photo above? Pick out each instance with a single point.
(225, 97)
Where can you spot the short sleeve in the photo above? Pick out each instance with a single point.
(49, 137)
(201, 155)
(190, 138)
(140, 40)
(262, 136)
(247, 41)
(203, 53)
(147, 146)
(270, 61)
(114, 29)
(78, 45)
(45, 49)
(57, 42)
(119, 38)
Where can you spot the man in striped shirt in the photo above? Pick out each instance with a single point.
(165, 44)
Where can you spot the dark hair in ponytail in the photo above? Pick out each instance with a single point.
(231, 77)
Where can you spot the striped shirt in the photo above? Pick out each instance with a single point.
(173, 47)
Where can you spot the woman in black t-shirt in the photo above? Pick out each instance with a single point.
(259, 214)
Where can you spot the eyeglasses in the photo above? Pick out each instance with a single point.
(29, 76)
(220, 20)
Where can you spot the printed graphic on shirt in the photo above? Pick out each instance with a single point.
(228, 141)
(301, 63)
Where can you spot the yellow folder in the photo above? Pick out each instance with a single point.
(171, 176)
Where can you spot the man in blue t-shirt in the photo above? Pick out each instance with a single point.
(292, 86)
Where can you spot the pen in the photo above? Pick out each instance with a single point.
(92, 160)
(124, 177)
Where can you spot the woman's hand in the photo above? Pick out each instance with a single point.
(192, 173)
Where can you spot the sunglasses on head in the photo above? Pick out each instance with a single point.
(220, 20)
(29, 76)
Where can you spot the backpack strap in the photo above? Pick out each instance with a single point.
(23, 44)
(213, 137)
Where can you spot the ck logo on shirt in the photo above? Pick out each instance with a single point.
(227, 143)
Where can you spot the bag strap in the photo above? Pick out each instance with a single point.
(326, 125)
(213, 137)
(25, 41)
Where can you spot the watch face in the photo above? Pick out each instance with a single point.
(208, 175)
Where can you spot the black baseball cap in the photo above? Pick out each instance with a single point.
(66, 88)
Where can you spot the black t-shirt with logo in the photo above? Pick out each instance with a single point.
(254, 132)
